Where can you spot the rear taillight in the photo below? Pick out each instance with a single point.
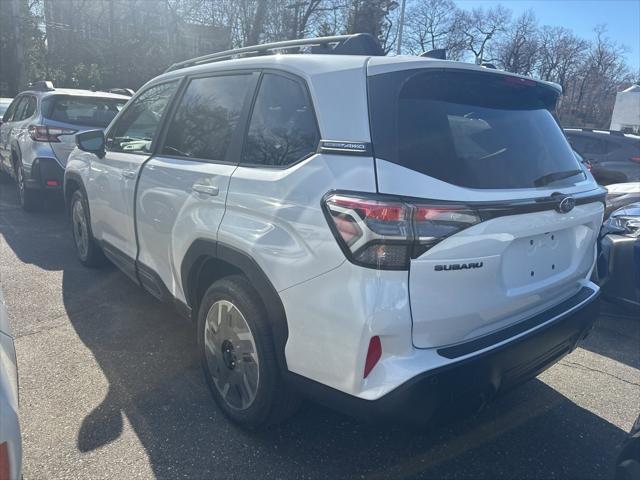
(41, 133)
(635, 158)
(386, 233)
(5, 467)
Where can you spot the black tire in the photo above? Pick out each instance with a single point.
(273, 401)
(30, 199)
(87, 249)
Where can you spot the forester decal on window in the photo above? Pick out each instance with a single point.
(345, 147)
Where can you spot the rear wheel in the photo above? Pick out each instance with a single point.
(30, 199)
(238, 356)
(87, 249)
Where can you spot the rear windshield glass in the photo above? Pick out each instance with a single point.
(472, 129)
(86, 111)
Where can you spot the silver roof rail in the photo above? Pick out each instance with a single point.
(357, 44)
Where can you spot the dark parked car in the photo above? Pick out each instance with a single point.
(619, 257)
(628, 467)
(621, 194)
(614, 157)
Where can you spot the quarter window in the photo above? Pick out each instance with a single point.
(283, 127)
(207, 117)
(136, 128)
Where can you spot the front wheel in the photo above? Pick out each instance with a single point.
(238, 356)
(87, 249)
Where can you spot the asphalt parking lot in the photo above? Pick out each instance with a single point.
(110, 387)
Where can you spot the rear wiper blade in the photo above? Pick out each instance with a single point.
(552, 177)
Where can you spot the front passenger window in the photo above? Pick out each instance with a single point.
(137, 126)
(283, 126)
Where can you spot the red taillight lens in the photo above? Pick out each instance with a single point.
(379, 232)
(40, 133)
(432, 224)
(5, 467)
(635, 159)
(373, 355)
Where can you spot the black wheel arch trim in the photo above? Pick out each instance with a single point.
(72, 176)
(202, 250)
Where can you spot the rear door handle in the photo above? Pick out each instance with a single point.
(210, 190)
(129, 174)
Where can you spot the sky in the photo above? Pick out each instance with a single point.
(622, 18)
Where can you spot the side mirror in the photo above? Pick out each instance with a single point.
(91, 141)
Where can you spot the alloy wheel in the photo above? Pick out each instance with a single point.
(20, 184)
(231, 355)
(80, 229)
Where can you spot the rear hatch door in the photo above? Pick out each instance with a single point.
(484, 145)
(70, 115)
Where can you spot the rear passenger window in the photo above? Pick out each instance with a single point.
(20, 109)
(587, 145)
(283, 126)
(30, 108)
(207, 117)
(610, 147)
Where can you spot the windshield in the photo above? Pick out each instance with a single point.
(4, 104)
(86, 111)
(472, 129)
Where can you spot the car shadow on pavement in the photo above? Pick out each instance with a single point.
(148, 356)
(617, 335)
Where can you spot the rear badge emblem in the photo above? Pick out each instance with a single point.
(458, 266)
(566, 205)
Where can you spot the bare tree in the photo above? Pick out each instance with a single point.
(480, 27)
(517, 50)
(592, 90)
(435, 24)
(560, 53)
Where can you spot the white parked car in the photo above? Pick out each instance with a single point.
(385, 234)
(10, 438)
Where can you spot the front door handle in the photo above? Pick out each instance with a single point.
(210, 190)
(129, 174)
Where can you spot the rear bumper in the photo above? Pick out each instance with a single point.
(466, 385)
(46, 174)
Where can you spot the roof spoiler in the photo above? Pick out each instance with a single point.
(437, 53)
(127, 92)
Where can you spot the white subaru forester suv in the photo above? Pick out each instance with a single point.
(394, 236)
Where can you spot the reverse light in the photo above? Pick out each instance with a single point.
(373, 355)
(385, 233)
(41, 133)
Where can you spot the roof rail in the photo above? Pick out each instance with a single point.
(616, 133)
(41, 85)
(357, 44)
